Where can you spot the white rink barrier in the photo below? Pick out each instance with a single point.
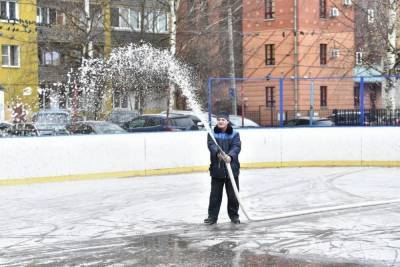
(45, 159)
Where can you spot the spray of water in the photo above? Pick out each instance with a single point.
(132, 63)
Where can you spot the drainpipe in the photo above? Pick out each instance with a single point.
(296, 56)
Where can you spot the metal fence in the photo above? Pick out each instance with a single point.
(279, 102)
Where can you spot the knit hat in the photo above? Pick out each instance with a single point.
(224, 115)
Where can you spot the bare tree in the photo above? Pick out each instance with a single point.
(376, 27)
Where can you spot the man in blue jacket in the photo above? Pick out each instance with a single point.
(229, 141)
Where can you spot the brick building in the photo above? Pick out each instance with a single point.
(293, 40)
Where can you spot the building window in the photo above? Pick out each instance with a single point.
(148, 21)
(270, 96)
(125, 18)
(269, 9)
(10, 55)
(60, 18)
(356, 96)
(323, 53)
(270, 54)
(359, 58)
(156, 21)
(323, 96)
(162, 22)
(371, 15)
(49, 58)
(120, 99)
(8, 10)
(322, 8)
(45, 15)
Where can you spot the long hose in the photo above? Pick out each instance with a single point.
(300, 212)
(235, 189)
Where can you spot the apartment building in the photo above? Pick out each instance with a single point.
(295, 40)
(66, 36)
(19, 60)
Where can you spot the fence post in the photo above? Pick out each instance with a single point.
(281, 102)
(362, 111)
(311, 102)
(209, 100)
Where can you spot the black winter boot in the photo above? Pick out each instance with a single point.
(210, 221)
(235, 221)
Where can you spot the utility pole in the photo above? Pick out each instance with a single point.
(232, 74)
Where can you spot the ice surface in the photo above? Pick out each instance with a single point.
(38, 220)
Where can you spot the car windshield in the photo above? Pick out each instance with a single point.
(108, 128)
(52, 118)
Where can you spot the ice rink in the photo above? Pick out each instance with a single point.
(157, 221)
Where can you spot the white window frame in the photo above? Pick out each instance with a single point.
(371, 15)
(39, 17)
(335, 53)
(50, 54)
(161, 18)
(148, 21)
(9, 56)
(128, 21)
(347, 2)
(8, 10)
(152, 21)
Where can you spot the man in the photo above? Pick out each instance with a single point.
(229, 141)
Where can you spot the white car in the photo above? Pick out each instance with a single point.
(237, 122)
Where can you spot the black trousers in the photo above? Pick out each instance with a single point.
(217, 186)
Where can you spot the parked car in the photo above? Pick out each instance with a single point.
(22, 129)
(305, 121)
(121, 116)
(52, 121)
(4, 127)
(194, 116)
(94, 127)
(159, 123)
(237, 122)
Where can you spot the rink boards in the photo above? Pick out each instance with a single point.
(46, 159)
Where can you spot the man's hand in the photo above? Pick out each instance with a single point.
(226, 158)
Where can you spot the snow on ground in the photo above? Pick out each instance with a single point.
(92, 222)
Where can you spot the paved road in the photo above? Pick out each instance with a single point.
(150, 221)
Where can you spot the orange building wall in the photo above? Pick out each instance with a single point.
(336, 32)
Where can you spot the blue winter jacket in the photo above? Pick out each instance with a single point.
(230, 143)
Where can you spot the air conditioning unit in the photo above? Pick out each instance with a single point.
(334, 12)
(335, 53)
(347, 2)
